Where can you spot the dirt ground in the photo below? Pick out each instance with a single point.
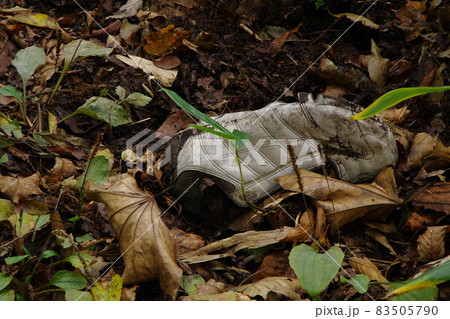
(230, 56)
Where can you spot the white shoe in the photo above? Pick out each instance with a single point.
(357, 150)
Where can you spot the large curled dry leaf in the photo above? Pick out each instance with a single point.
(228, 246)
(345, 202)
(148, 248)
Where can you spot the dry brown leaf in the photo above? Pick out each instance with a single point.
(423, 145)
(187, 242)
(174, 123)
(344, 202)
(215, 291)
(412, 18)
(378, 66)
(435, 197)
(282, 285)
(431, 245)
(278, 42)
(304, 231)
(379, 237)
(16, 188)
(358, 18)
(63, 168)
(250, 239)
(149, 248)
(275, 264)
(165, 77)
(366, 267)
(441, 151)
(394, 115)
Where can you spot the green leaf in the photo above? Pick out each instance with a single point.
(431, 278)
(315, 271)
(9, 90)
(6, 208)
(76, 260)
(7, 295)
(138, 99)
(12, 128)
(359, 282)
(120, 91)
(113, 293)
(77, 295)
(3, 159)
(189, 283)
(394, 97)
(49, 253)
(83, 238)
(193, 111)
(425, 294)
(66, 279)
(14, 259)
(27, 61)
(98, 170)
(5, 280)
(79, 49)
(104, 109)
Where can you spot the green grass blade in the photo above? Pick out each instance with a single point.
(431, 278)
(193, 111)
(210, 130)
(394, 97)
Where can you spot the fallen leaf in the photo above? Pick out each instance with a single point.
(279, 41)
(303, 232)
(230, 245)
(282, 285)
(380, 238)
(358, 18)
(164, 41)
(168, 62)
(187, 242)
(413, 21)
(16, 188)
(165, 77)
(366, 267)
(129, 9)
(344, 202)
(63, 168)
(423, 145)
(174, 123)
(148, 248)
(215, 291)
(378, 66)
(431, 245)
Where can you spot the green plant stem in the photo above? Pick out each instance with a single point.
(244, 194)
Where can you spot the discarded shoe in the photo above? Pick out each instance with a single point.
(357, 150)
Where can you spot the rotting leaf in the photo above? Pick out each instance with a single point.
(344, 202)
(250, 239)
(431, 244)
(378, 66)
(111, 293)
(435, 197)
(282, 285)
(165, 40)
(148, 248)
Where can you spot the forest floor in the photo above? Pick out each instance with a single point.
(221, 56)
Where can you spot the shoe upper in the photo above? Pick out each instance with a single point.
(319, 131)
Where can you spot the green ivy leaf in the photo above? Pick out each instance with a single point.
(27, 61)
(138, 99)
(315, 271)
(66, 279)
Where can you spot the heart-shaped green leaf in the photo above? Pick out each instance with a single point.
(315, 271)
(359, 282)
